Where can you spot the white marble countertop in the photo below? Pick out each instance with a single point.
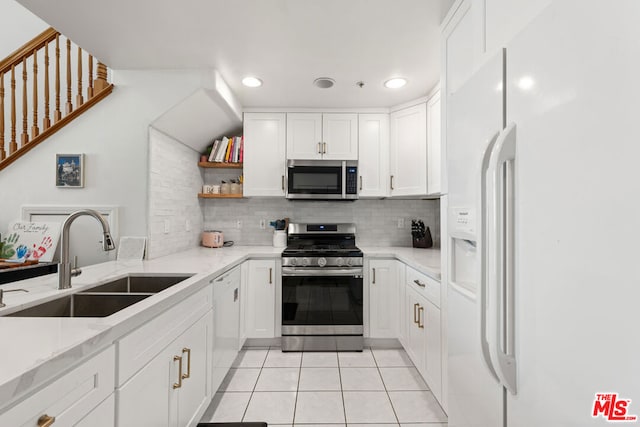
(426, 261)
(35, 350)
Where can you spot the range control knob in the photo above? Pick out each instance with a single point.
(339, 262)
(305, 261)
(322, 261)
(349, 262)
(293, 261)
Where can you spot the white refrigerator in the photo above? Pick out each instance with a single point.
(543, 157)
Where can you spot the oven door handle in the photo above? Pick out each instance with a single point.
(292, 271)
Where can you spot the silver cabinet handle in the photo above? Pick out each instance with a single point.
(270, 275)
(420, 316)
(417, 282)
(415, 313)
(374, 276)
(391, 182)
(360, 182)
(324, 148)
(282, 182)
(319, 147)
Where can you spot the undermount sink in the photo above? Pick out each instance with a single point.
(82, 305)
(103, 300)
(138, 284)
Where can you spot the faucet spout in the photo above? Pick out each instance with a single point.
(65, 271)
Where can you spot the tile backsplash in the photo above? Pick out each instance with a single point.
(376, 220)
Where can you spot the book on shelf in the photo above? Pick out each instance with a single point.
(227, 150)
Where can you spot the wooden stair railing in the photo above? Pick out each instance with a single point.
(25, 60)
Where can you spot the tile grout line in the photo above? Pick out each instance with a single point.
(344, 406)
(244, 414)
(295, 403)
(385, 387)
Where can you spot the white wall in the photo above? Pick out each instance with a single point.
(113, 135)
(19, 26)
(174, 184)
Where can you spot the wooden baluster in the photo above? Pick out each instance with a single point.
(79, 98)
(34, 126)
(25, 135)
(57, 114)
(69, 106)
(90, 78)
(13, 146)
(46, 122)
(101, 80)
(2, 153)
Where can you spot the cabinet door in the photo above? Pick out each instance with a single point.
(414, 334)
(373, 155)
(264, 154)
(432, 367)
(304, 136)
(261, 290)
(194, 395)
(383, 313)
(408, 141)
(102, 416)
(434, 144)
(340, 136)
(146, 399)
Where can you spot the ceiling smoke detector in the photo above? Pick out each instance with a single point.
(324, 82)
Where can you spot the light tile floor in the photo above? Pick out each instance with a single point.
(378, 387)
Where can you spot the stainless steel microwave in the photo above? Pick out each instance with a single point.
(322, 179)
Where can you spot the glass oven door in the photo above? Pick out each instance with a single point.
(322, 300)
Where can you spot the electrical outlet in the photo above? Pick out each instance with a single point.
(263, 224)
(166, 226)
(187, 225)
(400, 222)
(238, 224)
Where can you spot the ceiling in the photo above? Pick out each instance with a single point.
(286, 43)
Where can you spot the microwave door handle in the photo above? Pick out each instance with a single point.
(344, 179)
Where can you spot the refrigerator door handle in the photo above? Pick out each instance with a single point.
(501, 259)
(484, 257)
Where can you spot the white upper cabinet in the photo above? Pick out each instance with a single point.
(313, 136)
(373, 155)
(434, 143)
(264, 154)
(408, 151)
(340, 136)
(304, 136)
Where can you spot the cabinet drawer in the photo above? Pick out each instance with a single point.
(140, 346)
(425, 285)
(70, 398)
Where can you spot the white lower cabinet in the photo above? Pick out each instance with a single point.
(405, 304)
(172, 389)
(260, 321)
(423, 328)
(71, 399)
(104, 415)
(383, 294)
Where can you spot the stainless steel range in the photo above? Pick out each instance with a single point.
(322, 289)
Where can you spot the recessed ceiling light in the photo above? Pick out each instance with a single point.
(324, 82)
(252, 82)
(395, 83)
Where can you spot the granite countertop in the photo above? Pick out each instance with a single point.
(44, 347)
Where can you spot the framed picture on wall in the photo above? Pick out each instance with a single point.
(70, 170)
